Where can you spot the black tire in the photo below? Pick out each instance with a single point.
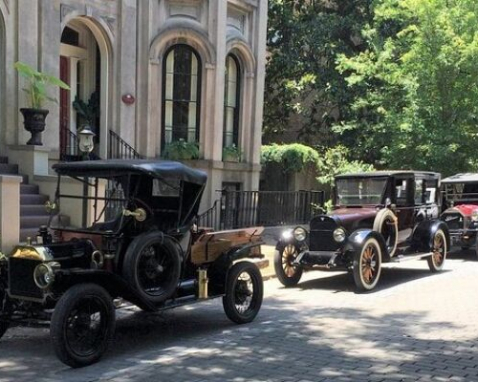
(82, 325)
(367, 265)
(152, 266)
(439, 250)
(287, 274)
(5, 310)
(386, 223)
(244, 280)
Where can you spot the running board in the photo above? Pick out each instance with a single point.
(403, 258)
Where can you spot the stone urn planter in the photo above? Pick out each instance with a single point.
(36, 84)
(34, 122)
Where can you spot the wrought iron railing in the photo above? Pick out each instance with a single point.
(69, 151)
(118, 148)
(238, 209)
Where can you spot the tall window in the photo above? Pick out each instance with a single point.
(181, 94)
(231, 102)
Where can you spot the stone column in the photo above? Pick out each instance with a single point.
(9, 212)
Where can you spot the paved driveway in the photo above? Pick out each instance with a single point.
(415, 327)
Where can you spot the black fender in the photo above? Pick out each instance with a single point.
(113, 283)
(219, 269)
(357, 239)
(284, 242)
(422, 237)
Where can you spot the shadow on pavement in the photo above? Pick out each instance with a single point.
(290, 341)
(343, 282)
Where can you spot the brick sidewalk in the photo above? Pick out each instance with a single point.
(415, 327)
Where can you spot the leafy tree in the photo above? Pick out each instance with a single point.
(416, 86)
(302, 81)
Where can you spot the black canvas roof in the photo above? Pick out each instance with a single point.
(469, 177)
(385, 173)
(155, 168)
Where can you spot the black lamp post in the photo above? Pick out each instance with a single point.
(86, 146)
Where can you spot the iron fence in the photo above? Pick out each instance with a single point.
(238, 209)
(118, 148)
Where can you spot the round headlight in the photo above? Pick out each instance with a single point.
(300, 234)
(339, 235)
(474, 215)
(43, 276)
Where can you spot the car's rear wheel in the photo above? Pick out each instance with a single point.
(244, 292)
(439, 251)
(152, 266)
(287, 273)
(82, 325)
(367, 265)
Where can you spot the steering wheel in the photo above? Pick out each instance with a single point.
(136, 201)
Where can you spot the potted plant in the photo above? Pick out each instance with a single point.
(181, 150)
(87, 112)
(35, 115)
(231, 153)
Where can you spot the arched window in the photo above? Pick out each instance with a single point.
(231, 102)
(181, 95)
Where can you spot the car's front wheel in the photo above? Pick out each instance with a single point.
(439, 251)
(287, 273)
(244, 292)
(367, 265)
(82, 325)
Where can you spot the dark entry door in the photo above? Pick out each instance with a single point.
(65, 109)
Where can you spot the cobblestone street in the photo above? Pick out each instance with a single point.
(417, 326)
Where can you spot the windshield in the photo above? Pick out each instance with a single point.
(89, 204)
(462, 192)
(359, 191)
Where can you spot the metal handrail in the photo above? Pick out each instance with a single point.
(118, 148)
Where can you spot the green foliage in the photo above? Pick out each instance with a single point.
(231, 153)
(415, 87)
(303, 85)
(38, 83)
(292, 157)
(181, 150)
(336, 161)
(88, 111)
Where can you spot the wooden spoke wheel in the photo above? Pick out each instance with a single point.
(439, 251)
(287, 273)
(367, 265)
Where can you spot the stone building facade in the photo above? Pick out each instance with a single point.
(161, 70)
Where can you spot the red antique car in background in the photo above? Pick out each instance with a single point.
(460, 209)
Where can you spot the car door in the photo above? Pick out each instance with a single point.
(403, 197)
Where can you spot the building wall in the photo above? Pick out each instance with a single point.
(133, 37)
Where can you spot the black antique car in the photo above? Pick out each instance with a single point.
(460, 209)
(124, 230)
(378, 217)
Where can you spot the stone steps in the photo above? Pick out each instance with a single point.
(32, 204)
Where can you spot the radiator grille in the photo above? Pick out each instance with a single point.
(321, 234)
(20, 278)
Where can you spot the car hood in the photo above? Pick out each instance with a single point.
(351, 218)
(464, 209)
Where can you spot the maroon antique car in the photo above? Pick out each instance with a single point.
(378, 217)
(460, 194)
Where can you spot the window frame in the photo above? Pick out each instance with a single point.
(237, 107)
(169, 51)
